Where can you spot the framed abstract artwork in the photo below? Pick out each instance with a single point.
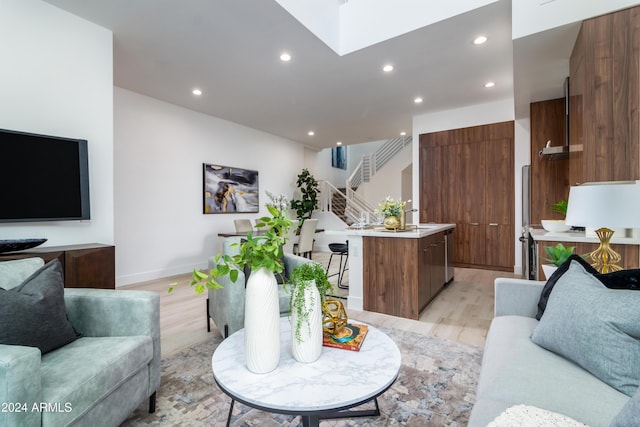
(339, 157)
(229, 189)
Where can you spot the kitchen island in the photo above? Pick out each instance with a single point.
(396, 273)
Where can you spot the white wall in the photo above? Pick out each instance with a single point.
(388, 180)
(56, 78)
(160, 229)
(475, 115)
(530, 17)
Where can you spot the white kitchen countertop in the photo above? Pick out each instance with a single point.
(413, 231)
(541, 235)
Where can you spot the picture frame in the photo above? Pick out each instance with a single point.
(339, 157)
(228, 189)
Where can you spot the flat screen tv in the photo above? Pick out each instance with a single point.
(43, 178)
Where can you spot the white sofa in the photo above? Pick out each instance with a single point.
(517, 371)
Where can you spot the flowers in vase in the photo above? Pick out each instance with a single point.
(390, 207)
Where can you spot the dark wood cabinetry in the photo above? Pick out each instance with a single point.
(605, 98)
(549, 178)
(467, 178)
(402, 275)
(84, 266)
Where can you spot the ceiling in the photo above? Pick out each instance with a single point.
(230, 50)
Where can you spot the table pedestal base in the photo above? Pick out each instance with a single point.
(314, 420)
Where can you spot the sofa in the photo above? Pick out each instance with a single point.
(107, 365)
(552, 363)
(226, 306)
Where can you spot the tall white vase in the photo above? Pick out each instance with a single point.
(262, 322)
(308, 349)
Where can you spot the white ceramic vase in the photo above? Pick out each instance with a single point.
(262, 322)
(309, 347)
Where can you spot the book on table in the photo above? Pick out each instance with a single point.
(349, 338)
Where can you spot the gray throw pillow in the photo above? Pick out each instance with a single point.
(33, 314)
(629, 415)
(595, 327)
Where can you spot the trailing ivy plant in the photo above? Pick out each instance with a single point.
(308, 202)
(300, 279)
(264, 250)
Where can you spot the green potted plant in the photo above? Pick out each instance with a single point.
(308, 201)
(560, 207)
(263, 254)
(557, 225)
(308, 286)
(556, 256)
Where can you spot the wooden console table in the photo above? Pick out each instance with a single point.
(91, 265)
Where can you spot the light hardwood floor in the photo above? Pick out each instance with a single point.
(461, 312)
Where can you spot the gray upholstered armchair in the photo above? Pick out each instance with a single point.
(97, 379)
(226, 306)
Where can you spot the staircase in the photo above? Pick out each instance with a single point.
(339, 204)
(345, 202)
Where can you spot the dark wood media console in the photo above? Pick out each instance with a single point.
(91, 265)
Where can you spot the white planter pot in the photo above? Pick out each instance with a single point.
(309, 347)
(548, 270)
(262, 322)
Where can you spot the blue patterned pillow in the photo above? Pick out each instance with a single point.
(595, 327)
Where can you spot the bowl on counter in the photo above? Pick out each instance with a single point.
(555, 225)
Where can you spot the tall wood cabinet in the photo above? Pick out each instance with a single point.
(605, 98)
(467, 178)
(549, 177)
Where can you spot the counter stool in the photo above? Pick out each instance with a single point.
(341, 249)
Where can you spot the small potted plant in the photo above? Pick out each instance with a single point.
(308, 286)
(556, 256)
(557, 225)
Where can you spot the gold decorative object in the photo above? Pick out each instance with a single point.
(605, 259)
(391, 223)
(334, 316)
(605, 206)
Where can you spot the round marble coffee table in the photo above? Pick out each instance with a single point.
(327, 388)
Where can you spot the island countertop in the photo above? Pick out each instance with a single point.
(413, 231)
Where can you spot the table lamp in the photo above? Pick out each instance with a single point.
(604, 206)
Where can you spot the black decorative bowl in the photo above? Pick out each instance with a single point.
(19, 244)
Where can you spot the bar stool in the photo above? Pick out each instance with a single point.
(341, 249)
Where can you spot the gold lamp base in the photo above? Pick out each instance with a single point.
(604, 258)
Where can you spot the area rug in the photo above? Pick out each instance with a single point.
(436, 387)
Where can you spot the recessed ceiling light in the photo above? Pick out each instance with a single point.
(489, 84)
(339, 143)
(403, 133)
(285, 57)
(196, 92)
(387, 68)
(480, 40)
(418, 100)
(311, 133)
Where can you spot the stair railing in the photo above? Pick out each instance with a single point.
(357, 206)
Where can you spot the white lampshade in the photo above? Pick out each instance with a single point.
(604, 205)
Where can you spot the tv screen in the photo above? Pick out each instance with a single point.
(44, 178)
